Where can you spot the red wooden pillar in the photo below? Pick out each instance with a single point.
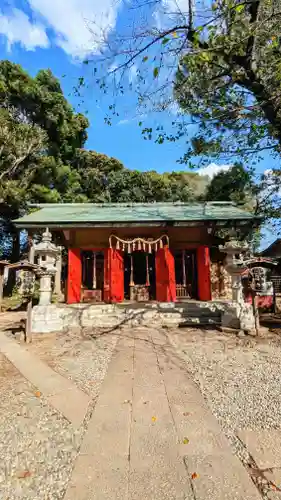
(204, 273)
(113, 276)
(106, 281)
(116, 276)
(165, 276)
(74, 278)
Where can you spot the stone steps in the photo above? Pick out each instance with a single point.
(55, 318)
(198, 322)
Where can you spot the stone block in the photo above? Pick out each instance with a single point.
(166, 305)
(247, 320)
(62, 317)
(238, 316)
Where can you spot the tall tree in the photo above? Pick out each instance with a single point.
(21, 145)
(230, 81)
(40, 101)
(39, 134)
(105, 179)
(236, 184)
(220, 62)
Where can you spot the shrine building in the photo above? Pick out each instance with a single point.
(164, 252)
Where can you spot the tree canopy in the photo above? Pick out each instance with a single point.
(230, 82)
(236, 184)
(216, 68)
(216, 64)
(40, 101)
(43, 159)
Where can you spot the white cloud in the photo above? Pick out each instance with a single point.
(178, 6)
(124, 122)
(79, 27)
(213, 169)
(131, 119)
(133, 73)
(17, 28)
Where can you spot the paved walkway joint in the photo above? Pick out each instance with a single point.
(151, 435)
(60, 392)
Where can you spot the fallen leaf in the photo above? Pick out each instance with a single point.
(23, 474)
(194, 475)
(185, 440)
(186, 413)
(154, 419)
(127, 401)
(38, 394)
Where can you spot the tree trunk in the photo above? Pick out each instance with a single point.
(15, 257)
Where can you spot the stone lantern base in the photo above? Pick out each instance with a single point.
(238, 316)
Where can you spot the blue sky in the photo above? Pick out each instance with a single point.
(59, 34)
(44, 48)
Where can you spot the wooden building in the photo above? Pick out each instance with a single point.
(139, 252)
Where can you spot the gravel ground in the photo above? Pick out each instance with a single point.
(38, 445)
(83, 360)
(240, 379)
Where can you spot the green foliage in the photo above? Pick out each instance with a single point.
(220, 62)
(104, 179)
(229, 81)
(40, 101)
(238, 185)
(39, 135)
(235, 184)
(42, 158)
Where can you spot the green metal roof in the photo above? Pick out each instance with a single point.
(92, 214)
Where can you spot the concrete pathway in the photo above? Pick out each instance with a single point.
(151, 435)
(60, 392)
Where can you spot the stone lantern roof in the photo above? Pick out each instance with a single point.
(46, 245)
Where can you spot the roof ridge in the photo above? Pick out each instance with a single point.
(137, 203)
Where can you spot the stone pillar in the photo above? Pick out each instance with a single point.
(31, 252)
(57, 288)
(45, 289)
(1, 285)
(237, 314)
(47, 254)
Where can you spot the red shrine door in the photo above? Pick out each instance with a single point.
(204, 273)
(113, 276)
(165, 275)
(74, 279)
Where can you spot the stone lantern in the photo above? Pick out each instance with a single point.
(47, 255)
(238, 314)
(235, 265)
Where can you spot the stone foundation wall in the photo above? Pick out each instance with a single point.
(63, 317)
